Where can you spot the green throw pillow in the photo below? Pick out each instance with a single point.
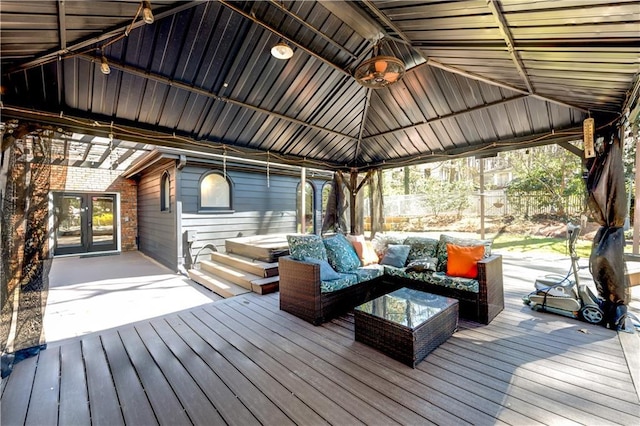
(311, 245)
(341, 254)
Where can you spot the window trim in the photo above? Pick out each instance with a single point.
(207, 209)
(165, 179)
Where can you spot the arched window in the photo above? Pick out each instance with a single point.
(165, 192)
(309, 208)
(326, 190)
(215, 192)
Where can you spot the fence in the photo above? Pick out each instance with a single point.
(497, 203)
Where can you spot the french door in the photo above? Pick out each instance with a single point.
(85, 223)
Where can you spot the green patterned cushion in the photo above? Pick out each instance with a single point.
(464, 242)
(369, 272)
(345, 280)
(436, 278)
(421, 247)
(341, 254)
(308, 245)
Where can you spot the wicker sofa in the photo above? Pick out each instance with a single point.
(302, 293)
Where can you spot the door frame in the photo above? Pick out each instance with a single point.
(86, 247)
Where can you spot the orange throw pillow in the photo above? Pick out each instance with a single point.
(463, 261)
(366, 253)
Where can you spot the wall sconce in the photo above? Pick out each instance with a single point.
(282, 51)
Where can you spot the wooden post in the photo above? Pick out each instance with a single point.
(481, 198)
(353, 192)
(636, 211)
(303, 199)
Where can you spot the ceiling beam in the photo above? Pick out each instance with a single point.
(446, 117)
(282, 36)
(310, 27)
(508, 39)
(455, 70)
(106, 35)
(364, 120)
(203, 92)
(62, 25)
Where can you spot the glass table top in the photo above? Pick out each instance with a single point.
(406, 307)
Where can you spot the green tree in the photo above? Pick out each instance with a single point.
(550, 171)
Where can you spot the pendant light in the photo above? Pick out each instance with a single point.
(282, 51)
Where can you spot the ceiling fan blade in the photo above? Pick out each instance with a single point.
(381, 66)
(391, 77)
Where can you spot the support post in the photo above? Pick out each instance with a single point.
(482, 198)
(303, 200)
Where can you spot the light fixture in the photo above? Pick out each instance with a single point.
(147, 15)
(379, 71)
(282, 51)
(104, 66)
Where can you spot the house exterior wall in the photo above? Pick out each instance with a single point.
(157, 230)
(82, 179)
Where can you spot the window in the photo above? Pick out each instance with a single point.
(309, 208)
(165, 192)
(215, 192)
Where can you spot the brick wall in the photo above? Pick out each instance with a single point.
(82, 179)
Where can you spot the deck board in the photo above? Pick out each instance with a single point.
(103, 399)
(135, 405)
(242, 361)
(74, 400)
(46, 387)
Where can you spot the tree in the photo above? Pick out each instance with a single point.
(550, 171)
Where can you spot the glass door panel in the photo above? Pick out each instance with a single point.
(70, 232)
(102, 222)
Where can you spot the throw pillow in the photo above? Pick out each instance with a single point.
(310, 245)
(341, 254)
(423, 265)
(463, 261)
(365, 252)
(421, 247)
(326, 271)
(465, 242)
(396, 255)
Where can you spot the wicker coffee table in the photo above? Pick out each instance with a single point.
(406, 324)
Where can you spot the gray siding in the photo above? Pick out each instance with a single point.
(257, 209)
(157, 230)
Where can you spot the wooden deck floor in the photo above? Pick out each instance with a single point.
(243, 361)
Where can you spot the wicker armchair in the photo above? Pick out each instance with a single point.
(300, 292)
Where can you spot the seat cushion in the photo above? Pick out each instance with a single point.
(366, 273)
(307, 245)
(345, 280)
(341, 254)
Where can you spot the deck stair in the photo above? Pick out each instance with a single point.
(232, 274)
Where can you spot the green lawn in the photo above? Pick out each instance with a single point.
(538, 244)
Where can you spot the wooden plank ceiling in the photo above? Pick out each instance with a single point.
(482, 76)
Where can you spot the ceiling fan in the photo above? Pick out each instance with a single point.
(379, 71)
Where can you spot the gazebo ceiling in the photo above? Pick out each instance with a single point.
(482, 76)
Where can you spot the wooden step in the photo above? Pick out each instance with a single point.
(265, 285)
(256, 267)
(266, 248)
(218, 285)
(236, 276)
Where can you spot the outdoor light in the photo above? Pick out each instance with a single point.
(147, 15)
(104, 66)
(380, 71)
(282, 51)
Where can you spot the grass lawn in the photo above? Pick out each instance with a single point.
(539, 244)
